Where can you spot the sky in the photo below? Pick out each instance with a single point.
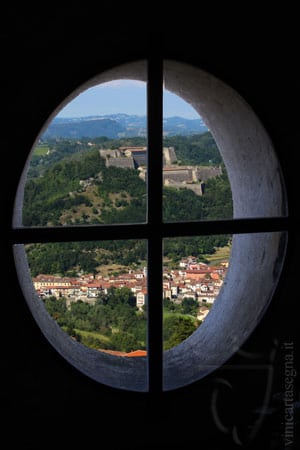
(123, 96)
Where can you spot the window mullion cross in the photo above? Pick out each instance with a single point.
(154, 217)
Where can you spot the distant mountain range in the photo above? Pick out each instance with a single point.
(115, 126)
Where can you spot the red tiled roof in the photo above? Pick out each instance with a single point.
(215, 276)
(134, 353)
(197, 271)
(137, 353)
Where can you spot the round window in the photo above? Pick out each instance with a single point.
(145, 196)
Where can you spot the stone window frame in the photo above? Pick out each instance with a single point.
(259, 228)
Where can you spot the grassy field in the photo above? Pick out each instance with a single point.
(167, 314)
(85, 335)
(93, 334)
(221, 254)
(41, 150)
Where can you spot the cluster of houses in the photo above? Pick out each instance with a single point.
(192, 279)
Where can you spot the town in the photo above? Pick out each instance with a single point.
(192, 279)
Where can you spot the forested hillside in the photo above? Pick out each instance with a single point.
(196, 149)
(114, 323)
(80, 190)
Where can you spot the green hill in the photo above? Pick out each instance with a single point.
(80, 189)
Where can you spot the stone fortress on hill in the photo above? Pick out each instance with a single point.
(174, 175)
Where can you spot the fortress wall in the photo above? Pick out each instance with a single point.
(204, 173)
(178, 175)
(169, 156)
(110, 153)
(140, 159)
(122, 162)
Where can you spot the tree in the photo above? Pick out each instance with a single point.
(177, 329)
(57, 309)
(125, 342)
(189, 306)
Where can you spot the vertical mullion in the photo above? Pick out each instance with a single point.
(154, 179)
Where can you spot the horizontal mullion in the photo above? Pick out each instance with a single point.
(230, 226)
(145, 231)
(79, 233)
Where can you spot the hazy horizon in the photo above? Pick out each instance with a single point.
(123, 97)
